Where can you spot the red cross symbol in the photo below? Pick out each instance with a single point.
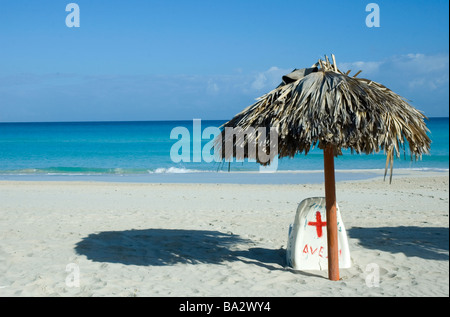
(318, 224)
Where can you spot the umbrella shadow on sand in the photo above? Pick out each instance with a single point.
(157, 247)
(429, 243)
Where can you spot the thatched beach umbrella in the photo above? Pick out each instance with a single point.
(325, 108)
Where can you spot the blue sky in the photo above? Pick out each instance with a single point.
(171, 60)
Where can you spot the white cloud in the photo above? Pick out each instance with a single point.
(269, 79)
(259, 82)
(366, 67)
(414, 70)
(422, 63)
(212, 87)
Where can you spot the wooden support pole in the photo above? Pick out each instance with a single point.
(330, 197)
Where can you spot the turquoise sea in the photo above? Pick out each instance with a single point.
(140, 151)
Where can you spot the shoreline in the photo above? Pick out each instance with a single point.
(235, 177)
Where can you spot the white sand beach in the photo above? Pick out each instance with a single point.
(137, 239)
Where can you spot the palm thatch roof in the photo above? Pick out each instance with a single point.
(321, 106)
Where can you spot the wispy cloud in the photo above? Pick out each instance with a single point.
(367, 67)
(413, 71)
(422, 78)
(268, 79)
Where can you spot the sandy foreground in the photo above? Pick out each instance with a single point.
(124, 239)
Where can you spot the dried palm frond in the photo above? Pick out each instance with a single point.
(321, 106)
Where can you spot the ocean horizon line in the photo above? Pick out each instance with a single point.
(137, 121)
(114, 121)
